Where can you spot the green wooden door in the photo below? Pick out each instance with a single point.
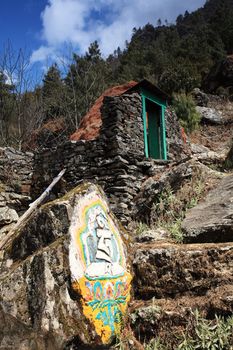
(153, 114)
(153, 134)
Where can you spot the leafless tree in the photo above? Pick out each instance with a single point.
(25, 114)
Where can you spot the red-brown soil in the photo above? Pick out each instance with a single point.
(90, 125)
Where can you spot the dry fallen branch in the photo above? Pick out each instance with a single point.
(31, 208)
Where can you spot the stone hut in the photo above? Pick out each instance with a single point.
(126, 136)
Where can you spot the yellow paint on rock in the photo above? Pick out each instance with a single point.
(105, 307)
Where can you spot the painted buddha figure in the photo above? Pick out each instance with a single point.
(103, 251)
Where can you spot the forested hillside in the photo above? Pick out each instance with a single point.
(174, 56)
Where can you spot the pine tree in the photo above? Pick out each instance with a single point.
(88, 77)
(53, 93)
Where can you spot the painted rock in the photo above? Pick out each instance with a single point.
(98, 264)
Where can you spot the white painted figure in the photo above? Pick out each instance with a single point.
(104, 248)
(104, 264)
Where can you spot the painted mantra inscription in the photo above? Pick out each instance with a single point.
(98, 265)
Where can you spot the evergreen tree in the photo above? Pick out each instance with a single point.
(53, 93)
(88, 77)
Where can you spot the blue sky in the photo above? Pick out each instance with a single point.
(45, 27)
(20, 22)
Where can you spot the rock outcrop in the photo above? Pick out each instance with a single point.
(206, 156)
(210, 115)
(172, 281)
(154, 186)
(212, 219)
(169, 318)
(64, 275)
(174, 270)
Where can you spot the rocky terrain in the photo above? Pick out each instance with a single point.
(178, 243)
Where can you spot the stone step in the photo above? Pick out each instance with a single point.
(170, 270)
(169, 317)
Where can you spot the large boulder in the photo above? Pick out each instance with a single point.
(169, 270)
(16, 335)
(64, 274)
(172, 177)
(210, 115)
(212, 219)
(35, 293)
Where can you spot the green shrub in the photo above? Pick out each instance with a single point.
(200, 334)
(209, 335)
(155, 344)
(141, 227)
(185, 109)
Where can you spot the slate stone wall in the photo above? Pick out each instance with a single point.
(115, 160)
(16, 169)
(177, 144)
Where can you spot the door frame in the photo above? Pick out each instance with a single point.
(162, 104)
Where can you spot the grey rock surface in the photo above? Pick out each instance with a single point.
(36, 294)
(212, 219)
(198, 149)
(34, 283)
(153, 235)
(154, 186)
(7, 216)
(210, 115)
(206, 156)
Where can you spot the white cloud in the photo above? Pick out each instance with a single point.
(42, 54)
(80, 22)
(10, 78)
